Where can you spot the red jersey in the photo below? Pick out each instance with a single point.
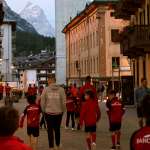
(74, 91)
(7, 89)
(35, 90)
(140, 140)
(33, 115)
(86, 87)
(12, 143)
(70, 104)
(115, 110)
(90, 113)
(30, 91)
(1, 89)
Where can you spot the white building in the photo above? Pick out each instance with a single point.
(6, 32)
(64, 10)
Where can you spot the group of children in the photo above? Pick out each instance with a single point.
(89, 116)
(88, 112)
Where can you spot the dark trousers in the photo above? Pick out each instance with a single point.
(42, 122)
(53, 127)
(72, 115)
(1, 96)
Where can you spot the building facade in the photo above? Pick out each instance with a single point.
(93, 46)
(135, 38)
(65, 9)
(7, 37)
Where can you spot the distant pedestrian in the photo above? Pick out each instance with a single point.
(74, 91)
(140, 93)
(32, 111)
(35, 89)
(9, 120)
(70, 104)
(53, 104)
(90, 115)
(115, 111)
(8, 90)
(87, 86)
(1, 91)
(30, 91)
(140, 139)
(42, 121)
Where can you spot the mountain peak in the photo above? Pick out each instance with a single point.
(35, 15)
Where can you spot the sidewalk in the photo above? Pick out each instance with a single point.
(74, 140)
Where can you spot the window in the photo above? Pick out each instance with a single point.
(97, 38)
(112, 14)
(115, 35)
(115, 62)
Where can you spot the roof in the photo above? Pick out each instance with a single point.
(88, 7)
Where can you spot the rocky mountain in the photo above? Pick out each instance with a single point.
(36, 16)
(22, 24)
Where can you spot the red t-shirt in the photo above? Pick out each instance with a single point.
(30, 91)
(140, 140)
(1, 89)
(70, 104)
(115, 110)
(7, 89)
(90, 113)
(33, 115)
(12, 143)
(87, 86)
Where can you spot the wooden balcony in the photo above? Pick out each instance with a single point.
(126, 8)
(135, 40)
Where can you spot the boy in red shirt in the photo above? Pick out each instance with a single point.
(70, 110)
(1, 91)
(115, 111)
(9, 123)
(140, 140)
(90, 115)
(32, 111)
(7, 90)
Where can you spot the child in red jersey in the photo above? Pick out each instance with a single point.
(90, 115)
(32, 111)
(70, 104)
(115, 111)
(9, 123)
(140, 140)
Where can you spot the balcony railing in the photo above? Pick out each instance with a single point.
(135, 40)
(126, 8)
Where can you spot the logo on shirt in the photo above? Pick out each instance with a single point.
(144, 140)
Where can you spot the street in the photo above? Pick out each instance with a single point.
(74, 140)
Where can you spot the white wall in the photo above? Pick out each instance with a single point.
(64, 9)
(7, 52)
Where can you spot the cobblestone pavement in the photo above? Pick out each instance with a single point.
(74, 140)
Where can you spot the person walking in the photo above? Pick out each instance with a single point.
(115, 111)
(1, 91)
(85, 87)
(70, 104)
(90, 115)
(32, 111)
(7, 90)
(140, 139)
(140, 93)
(53, 104)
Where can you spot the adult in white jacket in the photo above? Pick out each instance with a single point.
(53, 104)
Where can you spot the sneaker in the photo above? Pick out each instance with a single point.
(93, 146)
(73, 129)
(113, 148)
(66, 127)
(118, 145)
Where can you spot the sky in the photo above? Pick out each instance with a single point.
(47, 5)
